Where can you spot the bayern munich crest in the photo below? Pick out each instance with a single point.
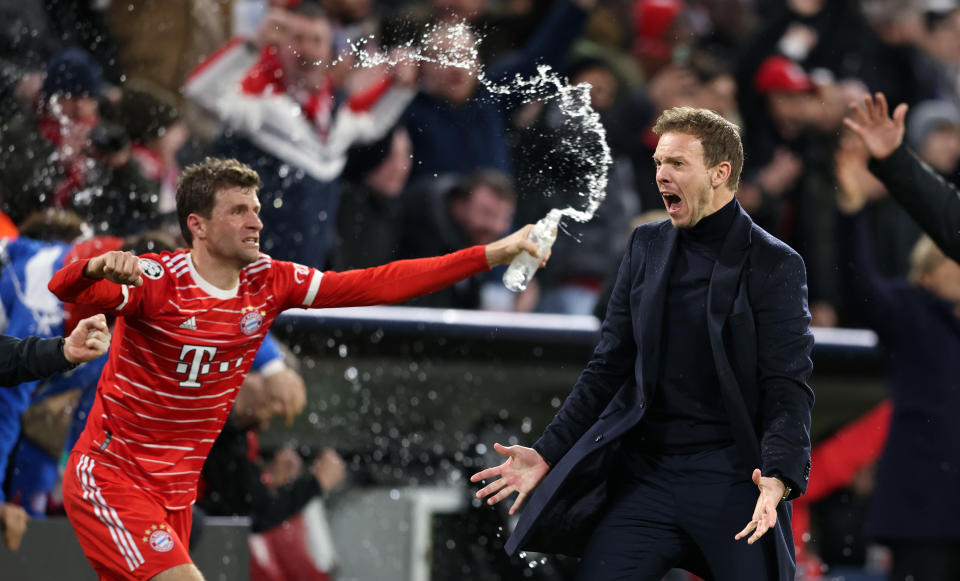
(159, 538)
(251, 321)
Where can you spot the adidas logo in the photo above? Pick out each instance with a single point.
(190, 324)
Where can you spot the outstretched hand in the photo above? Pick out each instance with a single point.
(871, 121)
(90, 339)
(503, 251)
(116, 266)
(765, 513)
(521, 473)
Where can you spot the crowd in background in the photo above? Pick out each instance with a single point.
(102, 102)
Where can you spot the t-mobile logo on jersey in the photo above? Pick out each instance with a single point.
(199, 364)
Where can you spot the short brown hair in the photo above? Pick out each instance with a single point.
(54, 225)
(720, 138)
(199, 184)
(499, 182)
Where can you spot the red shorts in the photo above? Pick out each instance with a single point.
(125, 533)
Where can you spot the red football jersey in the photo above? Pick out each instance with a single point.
(182, 347)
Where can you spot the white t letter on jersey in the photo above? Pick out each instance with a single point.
(197, 366)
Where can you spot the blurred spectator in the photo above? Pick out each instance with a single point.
(286, 119)
(33, 32)
(809, 215)
(941, 43)
(917, 323)
(44, 155)
(845, 476)
(26, 43)
(28, 308)
(894, 63)
(273, 496)
(157, 132)
(771, 135)
(440, 215)
(160, 41)
(370, 214)
(454, 108)
(662, 35)
(118, 199)
(933, 131)
(234, 479)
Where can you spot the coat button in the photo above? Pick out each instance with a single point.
(598, 438)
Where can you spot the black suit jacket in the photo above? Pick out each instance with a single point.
(31, 358)
(929, 199)
(758, 323)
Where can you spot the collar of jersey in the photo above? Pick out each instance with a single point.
(210, 289)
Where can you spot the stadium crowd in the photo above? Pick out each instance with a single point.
(103, 102)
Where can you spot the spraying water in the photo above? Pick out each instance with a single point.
(588, 134)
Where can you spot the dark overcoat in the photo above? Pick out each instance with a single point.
(758, 322)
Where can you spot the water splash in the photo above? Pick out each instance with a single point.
(448, 46)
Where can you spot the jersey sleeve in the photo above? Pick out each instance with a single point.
(394, 282)
(71, 286)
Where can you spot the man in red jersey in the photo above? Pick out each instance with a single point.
(189, 324)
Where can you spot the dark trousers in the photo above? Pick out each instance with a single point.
(925, 561)
(679, 511)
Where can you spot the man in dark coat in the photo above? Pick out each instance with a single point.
(697, 387)
(928, 198)
(35, 357)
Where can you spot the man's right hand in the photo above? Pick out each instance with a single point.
(116, 266)
(503, 251)
(13, 523)
(880, 132)
(521, 473)
(90, 339)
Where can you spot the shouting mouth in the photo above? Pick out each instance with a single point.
(673, 203)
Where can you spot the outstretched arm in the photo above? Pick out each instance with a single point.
(521, 473)
(403, 280)
(928, 198)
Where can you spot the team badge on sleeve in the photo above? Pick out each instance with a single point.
(151, 268)
(251, 321)
(300, 273)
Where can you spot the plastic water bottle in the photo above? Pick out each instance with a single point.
(524, 265)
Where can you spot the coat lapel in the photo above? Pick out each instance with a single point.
(725, 279)
(723, 289)
(658, 258)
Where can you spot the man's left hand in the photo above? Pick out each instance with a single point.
(765, 513)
